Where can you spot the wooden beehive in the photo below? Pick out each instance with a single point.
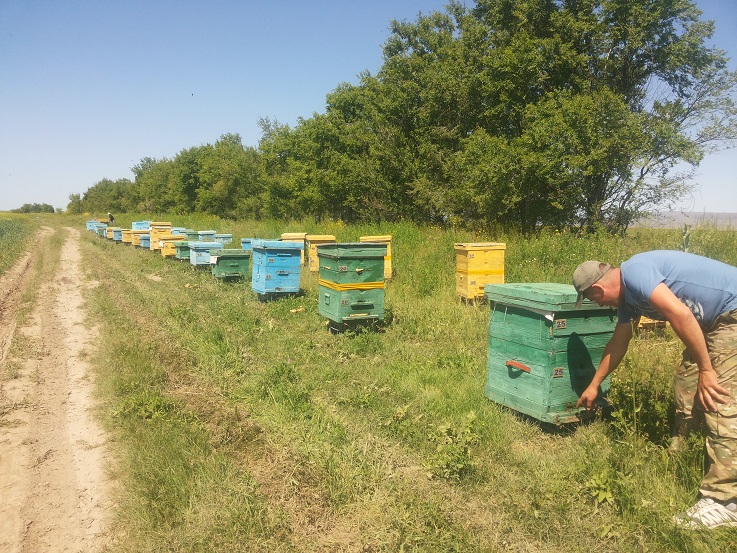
(478, 264)
(351, 282)
(543, 352)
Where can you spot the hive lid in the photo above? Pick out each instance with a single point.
(376, 238)
(276, 245)
(466, 246)
(544, 296)
(352, 250)
(205, 245)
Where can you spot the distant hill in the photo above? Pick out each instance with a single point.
(675, 219)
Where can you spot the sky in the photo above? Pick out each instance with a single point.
(89, 88)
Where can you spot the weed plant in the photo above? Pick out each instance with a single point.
(248, 426)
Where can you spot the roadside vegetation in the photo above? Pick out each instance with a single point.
(15, 233)
(244, 425)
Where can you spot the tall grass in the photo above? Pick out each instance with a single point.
(247, 426)
(15, 233)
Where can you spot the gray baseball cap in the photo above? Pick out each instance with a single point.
(585, 275)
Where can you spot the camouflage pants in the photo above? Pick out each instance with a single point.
(720, 481)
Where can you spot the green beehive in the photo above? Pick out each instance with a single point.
(231, 264)
(543, 352)
(351, 283)
(182, 250)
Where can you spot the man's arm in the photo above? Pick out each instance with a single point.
(613, 354)
(688, 330)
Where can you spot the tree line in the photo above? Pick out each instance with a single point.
(520, 113)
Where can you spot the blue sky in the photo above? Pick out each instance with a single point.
(88, 88)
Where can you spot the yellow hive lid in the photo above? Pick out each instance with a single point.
(480, 246)
(315, 237)
(159, 224)
(381, 238)
(293, 235)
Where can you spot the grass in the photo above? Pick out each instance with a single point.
(247, 426)
(15, 235)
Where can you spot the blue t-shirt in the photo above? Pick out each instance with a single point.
(706, 286)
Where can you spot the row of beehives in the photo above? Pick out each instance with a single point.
(351, 275)
(543, 351)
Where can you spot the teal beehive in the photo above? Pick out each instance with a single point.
(275, 268)
(200, 252)
(543, 352)
(229, 264)
(351, 283)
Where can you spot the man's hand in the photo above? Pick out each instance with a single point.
(709, 391)
(588, 397)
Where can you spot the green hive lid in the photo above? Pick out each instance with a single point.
(545, 296)
(352, 250)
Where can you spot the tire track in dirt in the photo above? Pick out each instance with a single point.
(54, 492)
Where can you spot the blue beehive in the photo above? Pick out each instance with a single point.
(224, 238)
(145, 241)
(206, 235)
(199, 252)
(246, 243)
(117, 234)
(178, 231)
(140, 225)
(275, 267)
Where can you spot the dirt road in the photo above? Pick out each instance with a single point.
(54, 485)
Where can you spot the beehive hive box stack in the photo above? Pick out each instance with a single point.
(167, 244)
(298, 237)
(181, 250)
(246, 243)
(145, 241)
(478, 264)
(157, 229)
(385, 239)
(201, 252)
(275, 268)
(223, 237)
(351, 283)
(312, 241)
(543, 352)
(136, 236)
(206, 235)
(126, 236)
(231, 264)
(140, 225)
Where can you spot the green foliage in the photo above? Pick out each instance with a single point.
(453, 453)
(517, 114)
(15, 234)
(34, 208)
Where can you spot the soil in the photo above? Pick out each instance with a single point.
(55, 487)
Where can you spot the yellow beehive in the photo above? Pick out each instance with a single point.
(166, 244)
(157, 229)
(651, 324)
(296, 237)
(109, 233)
(127, 237)
(136, 236)
(314, 240)
(383, 239)
(478, 264)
